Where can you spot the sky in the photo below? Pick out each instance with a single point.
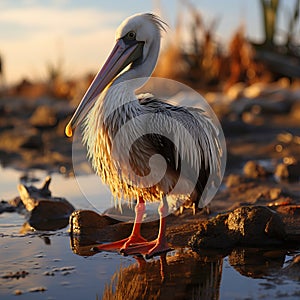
(80, 33)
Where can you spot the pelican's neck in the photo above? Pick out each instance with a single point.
(118, 95)
(121, 92)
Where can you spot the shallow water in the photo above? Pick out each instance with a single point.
(55, 272)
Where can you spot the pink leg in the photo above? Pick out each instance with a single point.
(135, 236)
(161, 244)
(157, 246)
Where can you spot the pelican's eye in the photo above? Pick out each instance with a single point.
(131, 35)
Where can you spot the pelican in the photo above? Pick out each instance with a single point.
(153, 139)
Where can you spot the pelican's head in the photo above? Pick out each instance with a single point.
(135, 39)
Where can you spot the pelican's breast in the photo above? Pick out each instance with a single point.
(114, 138)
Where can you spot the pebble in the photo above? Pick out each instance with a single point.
(37, 289)
(254, 170)
(18, 292)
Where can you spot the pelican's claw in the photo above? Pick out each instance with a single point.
(120, 245)
(138, 249)
(149, 249)
(109, 246)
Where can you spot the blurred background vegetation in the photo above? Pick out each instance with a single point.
(205, 62)
(208, 64)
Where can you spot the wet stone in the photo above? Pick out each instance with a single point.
(18, 292)
(6, 207)
(86, 222)
(16, 275)
(213, 234)
(249, 226)
(45, 212)
(37, 289)
(13, 205)
(256, 226)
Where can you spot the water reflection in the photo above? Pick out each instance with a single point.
(185, 275)
(257, 262)
(182, 274)
(44, 225)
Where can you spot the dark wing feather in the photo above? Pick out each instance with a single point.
(189, 119)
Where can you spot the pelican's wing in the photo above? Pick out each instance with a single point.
(191, 130)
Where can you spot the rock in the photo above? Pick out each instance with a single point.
(291, 215)
(234, 180)
(6, 207)
(255, 226)
(33, 142)
(45, 211)
(275, 193)
(14, 205)
(295, 111)
(254, 170)
(87, 222)
(18, 292)
(37, 289)
(88, 228)
(289, 172)
(43, 117)
(21, 137)
(17, 275)
(285, 137)
(213, 234)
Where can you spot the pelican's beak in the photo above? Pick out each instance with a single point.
(121, 56)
